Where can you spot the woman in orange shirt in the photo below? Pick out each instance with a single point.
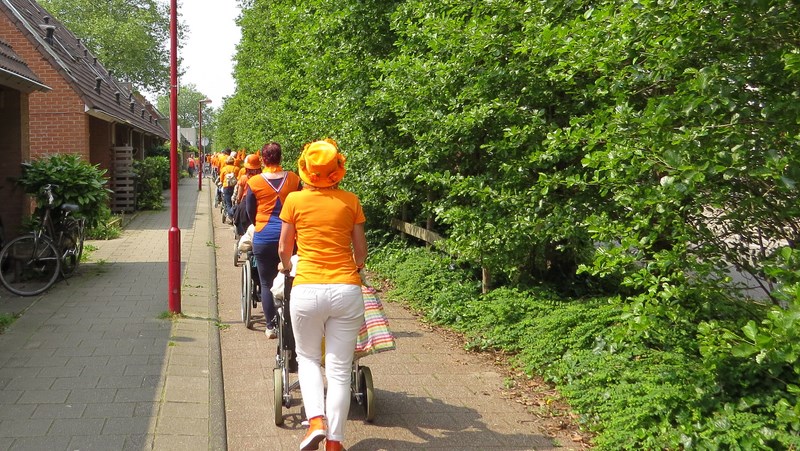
(327, 224)
(252, 166)
(264, 199)
(227, 177)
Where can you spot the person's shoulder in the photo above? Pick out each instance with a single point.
(294, 196)
(347, 194)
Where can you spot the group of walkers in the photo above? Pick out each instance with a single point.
(307, 214)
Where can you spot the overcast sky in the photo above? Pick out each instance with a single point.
(209, 46)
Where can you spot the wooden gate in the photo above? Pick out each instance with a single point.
(123, 199)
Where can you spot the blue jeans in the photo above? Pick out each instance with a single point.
(227, 197)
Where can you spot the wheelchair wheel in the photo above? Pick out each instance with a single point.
(247, 288)
(365, 392)
(255, 285)
(277, 399)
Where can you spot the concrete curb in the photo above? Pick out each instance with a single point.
(218, 439)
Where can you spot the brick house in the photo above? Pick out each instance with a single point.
(86, 111)
(17, 82)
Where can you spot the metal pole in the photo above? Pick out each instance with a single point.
(174, 232)
(200, 145)
(200, 138)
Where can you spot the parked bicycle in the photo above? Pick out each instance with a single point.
(31, 263)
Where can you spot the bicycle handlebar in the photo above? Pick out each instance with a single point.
(48, 191)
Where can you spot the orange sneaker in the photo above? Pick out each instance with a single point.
(315, 434)
(333, 445)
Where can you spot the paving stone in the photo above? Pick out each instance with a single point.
(92, 395)
(127, 426)
(43, 396)
(25, 428)
(99, 443)
(109, 410)
(77, 426)
(30, 383)
(16, 411)
(59, 411)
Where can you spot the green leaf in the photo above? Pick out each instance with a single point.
(750, 330)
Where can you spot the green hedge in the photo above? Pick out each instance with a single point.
(152, 178)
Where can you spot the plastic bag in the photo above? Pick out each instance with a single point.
(246, 240)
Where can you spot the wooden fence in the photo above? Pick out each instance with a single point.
(431, 237)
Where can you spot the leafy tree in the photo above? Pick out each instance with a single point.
(303, 72)
(528, 132)
(128, 36)
(189, 108)
(639, 148)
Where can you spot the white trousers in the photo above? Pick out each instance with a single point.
(335, 311)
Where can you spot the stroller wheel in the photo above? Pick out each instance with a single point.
(366, 392)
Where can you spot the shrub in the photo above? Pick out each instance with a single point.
(75, 181)
(682, 380)
(107, 228)
(152, 178)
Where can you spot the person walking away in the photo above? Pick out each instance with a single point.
(266, 193)
(190, 166)
(327, 225)
(227, 176)
(252, 166)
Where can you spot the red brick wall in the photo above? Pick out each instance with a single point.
(58, 123)
(100, 144)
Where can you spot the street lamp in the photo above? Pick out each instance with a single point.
(201, 156)
(174, 264)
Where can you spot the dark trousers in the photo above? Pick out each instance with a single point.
(267, 262)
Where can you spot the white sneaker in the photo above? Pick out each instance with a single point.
(271, 333)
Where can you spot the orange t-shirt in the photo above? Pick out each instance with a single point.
(324, 221)
(268, 199)
(242, 182)
(222, 160)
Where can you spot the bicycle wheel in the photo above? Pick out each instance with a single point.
(72, 245)
(29, 265)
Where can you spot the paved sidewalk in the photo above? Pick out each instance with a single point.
(430, 394)
(93, 363)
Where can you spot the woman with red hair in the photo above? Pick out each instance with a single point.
(264, 198)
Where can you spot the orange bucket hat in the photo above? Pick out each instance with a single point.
(321, 165)
(252, 161)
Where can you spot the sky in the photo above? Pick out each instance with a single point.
(209, 46)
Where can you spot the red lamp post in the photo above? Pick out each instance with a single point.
(174, 264)
(202, 156)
